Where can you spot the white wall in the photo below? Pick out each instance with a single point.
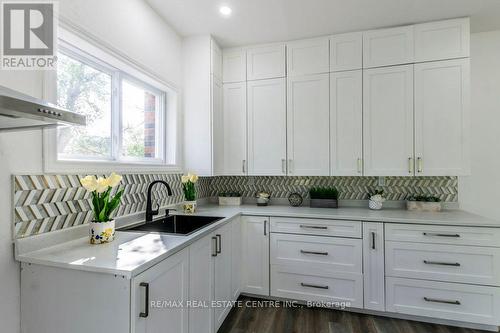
(479, 193)
(130, 26)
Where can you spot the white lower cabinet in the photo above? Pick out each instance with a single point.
(306, 284)
(255, 270)
(222, 275)
(451, 301)
(168, 284)
(373, 266)
(201, 284)
(236, 256)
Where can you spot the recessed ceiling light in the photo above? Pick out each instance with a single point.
(225, 10)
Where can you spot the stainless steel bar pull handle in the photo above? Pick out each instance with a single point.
(437, 300)
(314, 252)
(289, 166)
(214, 252)
(360, 165)
(440, 235)
(283, 166)
(219, 244)
(373, 240)
(265, 227)
(145, 314)
(429, 262)
(419, 165)
(313, 286)
(244, 166)
(410, 165)
(313, 227)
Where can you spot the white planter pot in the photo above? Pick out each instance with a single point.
(422, 206)
(102, 232)
(375, 205)
(189, 207)
(229, 201)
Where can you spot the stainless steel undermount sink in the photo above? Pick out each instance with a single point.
(175, 224)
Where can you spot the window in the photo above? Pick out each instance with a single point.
(126, 117)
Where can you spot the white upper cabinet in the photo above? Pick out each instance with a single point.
(346, 52)
(388, 121)
(310, 56)
(216, 59)
(346, 120)
(442, 118)
(267, 127)
(235, 129)
(234, 65)
(266, 62)
(217, 127)
(308, 128)
(442, 40)
(387, 47)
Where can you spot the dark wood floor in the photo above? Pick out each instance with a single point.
(319, 320)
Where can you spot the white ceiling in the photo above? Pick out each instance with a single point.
(259, 21)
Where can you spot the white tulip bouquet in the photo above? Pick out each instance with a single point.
(188, 187)
(104, 204)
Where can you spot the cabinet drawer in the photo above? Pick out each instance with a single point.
(453, 263)
(336, 254)
(317, 285)
(452, 301)
(443, 234)
(318, 227)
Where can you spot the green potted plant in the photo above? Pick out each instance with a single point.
(324, 197)
(229, 198)
(423, 203)
(102, 226)
(189, 189)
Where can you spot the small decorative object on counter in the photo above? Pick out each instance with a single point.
(263, 198)
(295, 199)
(423, 203)
(188, 187)
(324, 197)
(230, 199)
(376, 200)
(102, 227)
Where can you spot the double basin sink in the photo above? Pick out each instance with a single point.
(175, 224)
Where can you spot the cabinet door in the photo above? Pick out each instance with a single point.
(310, 56)
(373, 266)
(201, 284)
(346, 52)
(386, 47)
(267, 127)
(217, 127)
(346, 123)
(235, 129)
(266, 62)
(442, 40)
(442, 118)
(236, 258)
(255, 271)
(234, 65)
(216, 59)
(167, 281)
(222, 284)
(308, 133)
(388, 121)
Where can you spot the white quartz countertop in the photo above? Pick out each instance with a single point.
(134, 252)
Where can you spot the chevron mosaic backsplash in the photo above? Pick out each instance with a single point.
(45, 203)
(350, 188)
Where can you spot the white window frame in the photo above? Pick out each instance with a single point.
(106, 60)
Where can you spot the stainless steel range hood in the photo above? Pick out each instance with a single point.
(19, 111)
